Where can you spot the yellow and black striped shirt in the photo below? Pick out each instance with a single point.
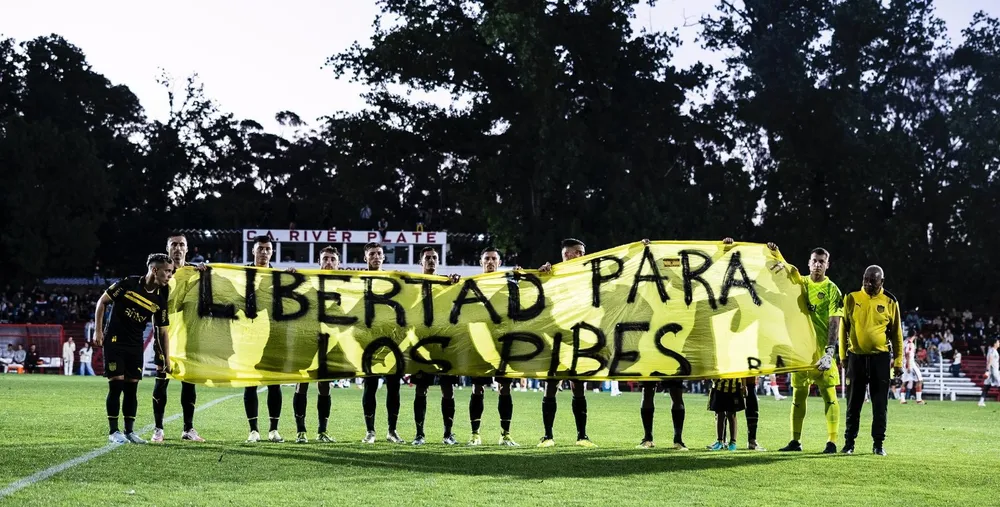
(728, 385)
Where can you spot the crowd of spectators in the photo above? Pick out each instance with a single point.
(941, 335)
(46, 306)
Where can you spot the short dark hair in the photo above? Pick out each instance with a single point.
(821, 251)
(158, 258)
(176, 235)
(264, 238)
(489, 249)
(571, 242)
(372, 245)
(331, 250)
(425, 250)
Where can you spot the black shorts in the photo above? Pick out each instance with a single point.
(665, 385)
(719, 401)
(427, 379)
(123, 361)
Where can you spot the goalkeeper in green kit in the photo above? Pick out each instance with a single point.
(826, 307)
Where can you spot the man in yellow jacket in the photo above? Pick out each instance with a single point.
(871, 324)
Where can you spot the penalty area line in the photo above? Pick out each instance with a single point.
(37, 477)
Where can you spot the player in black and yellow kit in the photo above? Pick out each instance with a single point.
(489, 259)
(177, 250)
(135, 301)
(375, 257)
(571, 249)
(262, 251)
(428, 262)
(329, 259)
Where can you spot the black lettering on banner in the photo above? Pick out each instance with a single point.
(322, 341)
(554, 361)
(753, 363)
(591, 352)
(780, 362)
(369, 355)
(619, 355)
(207, 307)
(596, 278)
(730, 281)
(442, 365)
(514, 310)
(322, 296)
(685, 365)
(427, 296)
(251, 292)
(463, 299)
(647, 256)
(372, 298)
(507, 347)
(283, 292)
(695, 276)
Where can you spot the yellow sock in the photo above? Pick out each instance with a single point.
(832, 412)
(798, 411)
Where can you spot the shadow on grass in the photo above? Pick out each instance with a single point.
(520, 463)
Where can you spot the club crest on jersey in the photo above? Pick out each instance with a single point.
(112, 366)
(820, 295)
(880, 309)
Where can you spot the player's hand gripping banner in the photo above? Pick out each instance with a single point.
(682, 310)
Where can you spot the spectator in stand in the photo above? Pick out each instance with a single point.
(948, 336)
(922, 357)
(7, 357)
(956, 364)
(32, 359)
(383, 227)
(68, 353)
(196, 258)
(933, 355)
(945, 348)
(86, 356)
(88, 331)
(20, 355)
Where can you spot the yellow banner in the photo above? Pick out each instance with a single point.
(668, 310)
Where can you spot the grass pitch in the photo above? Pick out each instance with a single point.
(944, 453)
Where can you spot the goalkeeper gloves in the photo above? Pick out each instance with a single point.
(826, 362)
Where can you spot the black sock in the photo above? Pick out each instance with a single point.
(392, 402)
(274, 406)
(580, 414)
(448, 414)
(752, 413)
(250, 405)
(506, 408)
(678, 416)
(113, 403)
(159, 401)
(323, 407)
(189, 400)
(368, 401)
(647, 422)
(130, 405)
(548, 415)
(476, 411)
(299, 403)
(419, 412)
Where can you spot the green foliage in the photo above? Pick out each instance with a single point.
(849, 124)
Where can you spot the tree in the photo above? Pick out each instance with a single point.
(574, 126)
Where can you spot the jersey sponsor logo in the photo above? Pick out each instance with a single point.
(141, 301)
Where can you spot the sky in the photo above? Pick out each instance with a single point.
(257, 58)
